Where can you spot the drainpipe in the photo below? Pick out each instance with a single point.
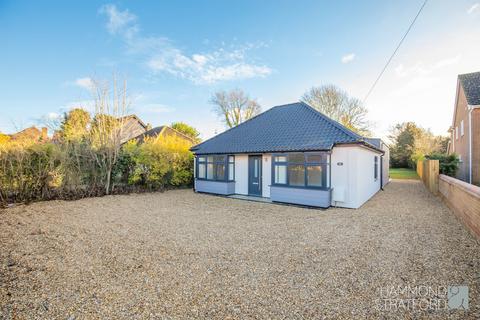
(381, 172)
(470, 144)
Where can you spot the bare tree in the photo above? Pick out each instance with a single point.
(234, 107)
(111, 104)
(338, 105)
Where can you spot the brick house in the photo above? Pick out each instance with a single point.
(465, 129)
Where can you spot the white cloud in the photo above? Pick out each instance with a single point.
(119, 21)
(475, 7)
(53, 116)
(162, 56)
(208, 68)
(348, 58)
(86, 83)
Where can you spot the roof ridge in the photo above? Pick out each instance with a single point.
(337, 124)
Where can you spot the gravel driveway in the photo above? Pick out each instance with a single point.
(184, 255)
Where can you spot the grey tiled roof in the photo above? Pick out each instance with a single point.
(374, 141)
(471, 86)
(290, 127)
(152, 133)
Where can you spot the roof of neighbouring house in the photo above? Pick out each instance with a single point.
(133, 117)
(291, 127)
(153, 133)
(471, 86)
(32, 133)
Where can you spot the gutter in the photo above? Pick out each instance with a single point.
(470, 109)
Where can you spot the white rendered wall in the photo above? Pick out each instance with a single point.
(386, 164)
(353, 182)
(241, 174)
(266, 175)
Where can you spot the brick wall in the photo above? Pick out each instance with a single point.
(463, 199)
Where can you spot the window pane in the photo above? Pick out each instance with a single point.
(231, 159)
(255, 168)
(219, 158)
(317, 158)
(296, 175)
(201, 159)
(314, 176)
(296, 158)
(280, 174)
(280, 159)
(220, 172)
(201, 170)
(210, 171)
(231, 172)
(210, 159)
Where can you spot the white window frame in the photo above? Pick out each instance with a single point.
(456, 133)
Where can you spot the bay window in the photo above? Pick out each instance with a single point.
(303, 170)
(216, 167)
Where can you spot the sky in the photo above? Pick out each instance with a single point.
(176, 54)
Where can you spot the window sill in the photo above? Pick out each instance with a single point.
(200, 179)
(300, 187)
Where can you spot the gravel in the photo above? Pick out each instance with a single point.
(184, 255)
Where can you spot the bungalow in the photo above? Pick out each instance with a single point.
(292, 154)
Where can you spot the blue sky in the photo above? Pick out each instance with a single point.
(176, 54)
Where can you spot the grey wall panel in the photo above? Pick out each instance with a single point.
(307, 197)
(217, 187)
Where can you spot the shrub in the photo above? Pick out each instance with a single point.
(156, 163)
(29, 173)
(76, 168)
(448, 162)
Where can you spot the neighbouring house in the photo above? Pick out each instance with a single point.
(163, 132)
(132, 127)
(465, 129)
(32, 134)
(292, 154)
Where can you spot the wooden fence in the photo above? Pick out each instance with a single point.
(428, 171)
(461, 197)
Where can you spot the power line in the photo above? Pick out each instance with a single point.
(394, 52)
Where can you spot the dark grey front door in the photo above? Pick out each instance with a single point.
(255, 175)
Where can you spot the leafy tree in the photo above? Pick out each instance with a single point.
(448, 162)
(234, 107)
(338, 105)
(411, 143)
(75, 125)
(187, 130)
(4, 138)
(403, 136)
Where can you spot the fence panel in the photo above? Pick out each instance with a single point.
(420, 168)
(428, 172)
